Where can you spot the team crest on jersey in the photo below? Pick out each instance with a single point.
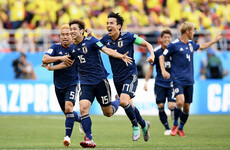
(84, 49)
(190, 47)
(120, 44)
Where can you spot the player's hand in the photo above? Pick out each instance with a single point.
(165, 75)
(150, 59)
(146, 86)
(88, 32)
(219, 36)
(66, 59)
(47, 66)
(128, 60)
(70, 63)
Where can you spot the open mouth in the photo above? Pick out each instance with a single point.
(109, 30)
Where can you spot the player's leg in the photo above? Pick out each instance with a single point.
(188, 91)
(171, 101)
(60, 93)
(103, 96)
(87, 95)
(70, 94)
(161, 94)
(126, 91)
(179, 93)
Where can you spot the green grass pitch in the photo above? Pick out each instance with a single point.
(204, 132)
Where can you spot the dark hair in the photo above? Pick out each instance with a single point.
(167, 31)
(120, 19)
(80, 23)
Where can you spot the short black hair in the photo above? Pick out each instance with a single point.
(120, 19)
(166, 31)
(80, 23)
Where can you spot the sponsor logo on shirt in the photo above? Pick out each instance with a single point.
(60, 53)
(181, 49)
(73, 50)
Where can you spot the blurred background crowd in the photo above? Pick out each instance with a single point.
(32, 25)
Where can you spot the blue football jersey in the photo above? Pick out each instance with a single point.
(182, 61)
(159, 80)
(124, 43)
(90, 65)
(64, 77)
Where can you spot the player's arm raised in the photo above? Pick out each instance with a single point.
(147, 45)
(115, 54)
(207, 44)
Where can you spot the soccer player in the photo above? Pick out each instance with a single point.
(92, 76)
(125, 78)
(162, 86)
(65, 80)
(181, 50)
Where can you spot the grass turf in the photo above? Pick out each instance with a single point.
(114, 133)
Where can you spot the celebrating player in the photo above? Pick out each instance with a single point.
(92, 76)
(162, 86)
(125, 78)
(65, 80)
(181, 50)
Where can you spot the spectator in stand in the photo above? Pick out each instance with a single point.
(4, 39)
(24, 39)
(17, 13)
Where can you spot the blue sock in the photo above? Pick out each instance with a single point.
(77, 118)
(140, 120)
(86, 124)
(183, 119)
(131, 115)
(69, 122)
(163, 118)
(177, 113)
(115, 104)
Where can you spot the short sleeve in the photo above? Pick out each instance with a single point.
(51, 50)
(169, 50)
(98, 44)
(195, 46)
(102, 40)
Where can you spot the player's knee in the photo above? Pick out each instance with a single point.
(161, 106)
(83, 110)
(171, 107)
(186, 109)
(68, 109)
(108, 114)
(123, 103)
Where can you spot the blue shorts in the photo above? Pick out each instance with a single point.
(186, 90)
(128, 86)
(162, 93)
(101, 91)
(66, 94)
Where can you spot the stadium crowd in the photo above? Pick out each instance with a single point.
(31, 23)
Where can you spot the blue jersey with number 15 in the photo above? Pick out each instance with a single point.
(90, 65)
(182, 61)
